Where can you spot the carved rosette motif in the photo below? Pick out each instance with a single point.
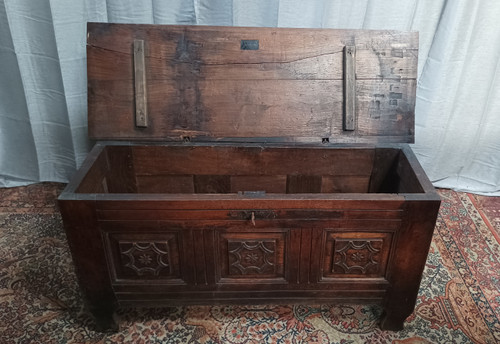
(251, 257)
(353, 256)
(146, 258)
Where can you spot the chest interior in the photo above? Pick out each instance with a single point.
(249, 170)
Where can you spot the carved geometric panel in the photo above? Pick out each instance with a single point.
(251, 257)
(143, 256)
(356, 254)
(256, 256)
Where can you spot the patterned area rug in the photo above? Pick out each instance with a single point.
(459, 300)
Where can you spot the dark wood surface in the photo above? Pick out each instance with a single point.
(367, 243)
(200, 83)
(219, 218)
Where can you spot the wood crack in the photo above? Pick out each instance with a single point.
(107, 49)
(217, 64)
(270, 62)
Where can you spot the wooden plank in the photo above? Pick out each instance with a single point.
(180, 43)
(370, 292)
(232, 108)
(361, 225)
(141, 103)
(200, 83)
(285, 214)
(326, 66)
(233, 201)
(253, 108)
(256, 161)
(349, 87)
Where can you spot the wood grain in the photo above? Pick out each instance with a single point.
(257, 161)
(201, 84)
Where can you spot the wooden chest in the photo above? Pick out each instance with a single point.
(250, 165)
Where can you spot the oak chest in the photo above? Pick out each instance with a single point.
(250, 165)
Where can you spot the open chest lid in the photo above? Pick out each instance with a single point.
(202, 83)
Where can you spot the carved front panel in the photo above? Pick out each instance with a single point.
(357, 256)
(352, 254)
(252, 255)
(145, 258)
(134, 256)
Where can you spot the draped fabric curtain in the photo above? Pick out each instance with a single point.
(43, 100)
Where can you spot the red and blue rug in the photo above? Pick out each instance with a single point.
(459, 299)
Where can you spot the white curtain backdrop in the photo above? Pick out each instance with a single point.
(43, 100)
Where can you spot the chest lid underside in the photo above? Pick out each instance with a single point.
(202, 83)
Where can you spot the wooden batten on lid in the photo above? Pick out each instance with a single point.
(201, 83)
